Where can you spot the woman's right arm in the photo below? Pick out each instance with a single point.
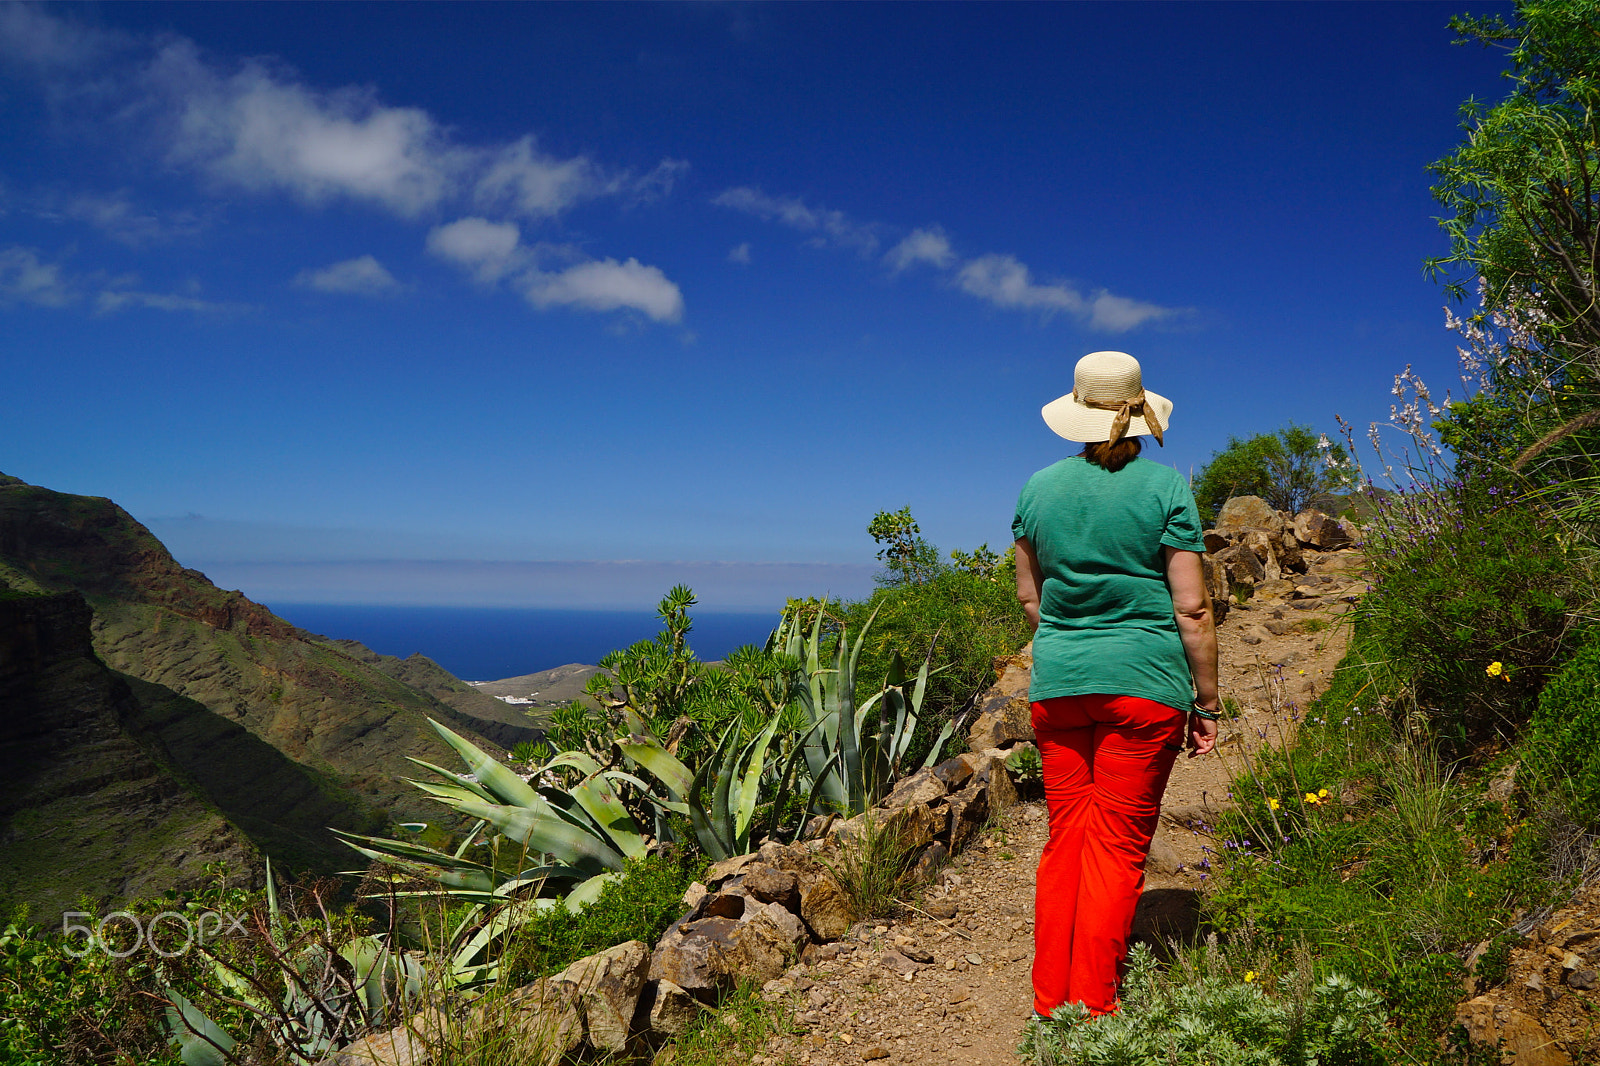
(1197, 626)
(1030, 581)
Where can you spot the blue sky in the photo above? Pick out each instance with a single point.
(553, 305)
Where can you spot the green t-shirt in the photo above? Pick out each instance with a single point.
(1105, 612)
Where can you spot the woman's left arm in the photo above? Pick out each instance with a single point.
(1197, 627)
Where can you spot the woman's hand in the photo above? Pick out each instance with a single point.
(1202, 733)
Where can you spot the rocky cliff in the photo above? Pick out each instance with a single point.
(85, 806)
(345, 716)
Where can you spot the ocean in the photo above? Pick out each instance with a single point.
(490, 643)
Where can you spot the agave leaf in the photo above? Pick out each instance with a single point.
(581, 761)
(452, 793)
(939, 742)
(543, 830)
(725, 760)
(667, 768)
(705, 829)
(385, 849)
(453, 778)
(201, 1041)
(505, 785)
(749, 791)
(600, 802)
(472, 835)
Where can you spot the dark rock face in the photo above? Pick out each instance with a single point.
(84, 806)
(341, 711)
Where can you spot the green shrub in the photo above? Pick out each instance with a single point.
(1470, 603)
(1211, 1015)
(964, 618)
(1563, 733)
(638, 906)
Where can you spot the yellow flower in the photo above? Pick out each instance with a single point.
(1322, 793)
(1249, 975)
(1313, 798)
(1469, 893)
(1495, 669)
(1273, 803)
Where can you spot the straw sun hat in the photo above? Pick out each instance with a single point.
(1108, 401)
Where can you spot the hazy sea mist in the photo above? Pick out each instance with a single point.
(489, 643)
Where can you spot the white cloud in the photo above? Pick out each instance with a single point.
(259, 131)
(361, 276)
(922, 246)
(607, 285)
(121, 220)
(494, 250)
(489, 249)
(1006, 282)
(536, 185)
(831, 227)
(30, 36)
(112, 300)
(27, 279)
(740, 254)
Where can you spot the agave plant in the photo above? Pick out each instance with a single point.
(721, 797)
(853, 757)
(330, 995)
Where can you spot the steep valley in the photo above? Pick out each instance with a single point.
(151, 722)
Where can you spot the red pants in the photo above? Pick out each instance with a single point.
(1106, 764)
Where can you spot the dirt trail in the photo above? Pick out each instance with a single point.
(970, 1005)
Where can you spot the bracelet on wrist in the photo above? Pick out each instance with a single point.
(1208, 715)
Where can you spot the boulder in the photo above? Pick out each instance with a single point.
(1290, 557)
(1353, 532)
(672, 1010)
(1521, 1039)
(1263, 546)
(771, 885)
(1163, 859)
(1244, 568)
(540, 1016)
(825, 908)
(933, 856)
(924, 787)
(1247, 512)
(766, 944)
(405, 1045)
(953, 773)
(721, 871)
(694, 956)
(605, 988)
(1003, 718)
(1215, 541)
(969, 813)
(1316, 530)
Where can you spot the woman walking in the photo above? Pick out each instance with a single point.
(1124, 664)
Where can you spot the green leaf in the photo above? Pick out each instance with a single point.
(197, 1036)
(505, 785)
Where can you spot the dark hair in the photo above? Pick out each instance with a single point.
(1112, 456)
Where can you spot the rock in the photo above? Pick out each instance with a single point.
(540, 1015)
(953, 773)
(989, 770)
(916, 954)
(942, 908)
(896, 961)
(874, 1052)
(924, 787)
(693, 895)
(1247, 512)
(788, 923)
(1162, 858)
(1280, 589)
(1165, 914)
(1316, 530)
(1290, 557)
(1584, 980)
(721, 871)
(771, 885)
(1004, 718)
(693, 956)
(1522, 1040)
(1254, 635)
(974, 959)
(605, 987)
(673, 1010)
(1352, 532)
(825, 908)
(1277, 627)
(1263, 546)
(405, 1045)
(933, 856)
(914, 826)
(721, 905)
(1215, 541)
(969, 812)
